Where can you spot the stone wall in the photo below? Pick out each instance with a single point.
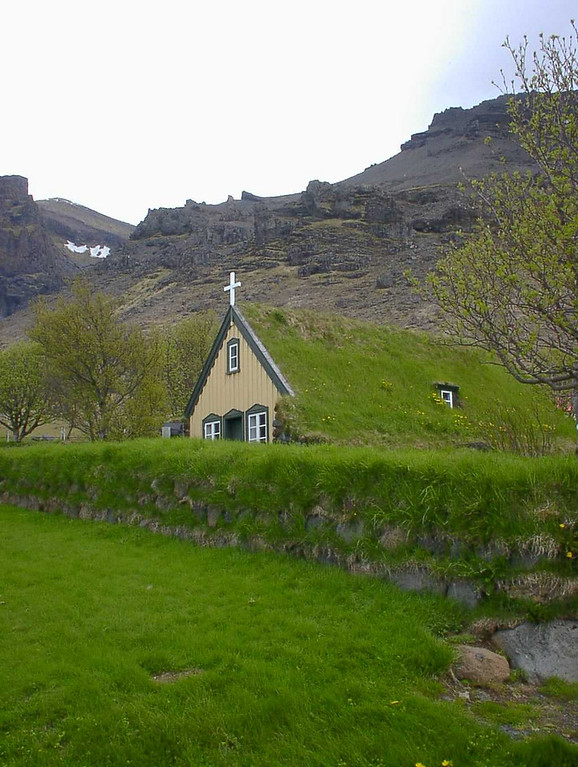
(328, 538)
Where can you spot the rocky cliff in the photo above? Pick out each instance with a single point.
(454, 147)
(342, 247)
(28, 262)
(339, 247)
(44, 243)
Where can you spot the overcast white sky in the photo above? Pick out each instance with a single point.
(122, 105)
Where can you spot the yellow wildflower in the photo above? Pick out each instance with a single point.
(569, 555)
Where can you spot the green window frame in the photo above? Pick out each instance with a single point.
(233, 356)
(257, 429)
(212, 427)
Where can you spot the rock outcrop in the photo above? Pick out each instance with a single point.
(454, 146)
(34, 258)
(343, 247)
(28, 262)
(542, 650)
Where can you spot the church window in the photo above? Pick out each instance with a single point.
(257, 424)
(212, 427)
(233, 356)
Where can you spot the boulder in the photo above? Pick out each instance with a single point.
(542, 650)
(384, 281)
(481, 666)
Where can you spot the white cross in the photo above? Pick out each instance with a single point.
(231, 288)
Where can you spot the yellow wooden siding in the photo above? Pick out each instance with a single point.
(240, 391)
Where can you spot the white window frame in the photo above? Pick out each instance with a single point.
(447, 396)
(257, 426)
(233, 356)
(212, 430)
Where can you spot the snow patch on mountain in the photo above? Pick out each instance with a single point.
(76, 248)
(98, 251)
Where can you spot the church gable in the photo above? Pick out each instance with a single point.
(239, 386)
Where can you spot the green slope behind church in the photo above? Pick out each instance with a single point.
(298, 375)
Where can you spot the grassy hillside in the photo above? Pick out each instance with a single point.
(119, 647)
(359, 383)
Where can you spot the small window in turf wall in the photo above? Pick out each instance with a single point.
(448, 393)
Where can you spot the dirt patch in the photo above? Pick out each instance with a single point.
(521, 710)
(168, 677)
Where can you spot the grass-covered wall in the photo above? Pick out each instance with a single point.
(426, 519)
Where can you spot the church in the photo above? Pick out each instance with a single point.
(239, 386)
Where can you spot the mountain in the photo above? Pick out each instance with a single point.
(453, 148)
(340, 247)
(44, 243)
(82, 232)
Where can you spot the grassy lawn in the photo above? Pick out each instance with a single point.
(270, 661)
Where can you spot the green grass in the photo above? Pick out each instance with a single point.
(560, 690)
(358, 383)
(513, 714)
(294, 664)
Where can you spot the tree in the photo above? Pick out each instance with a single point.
(512, 288)
(98, 366)
(24, 403)
(186, 347)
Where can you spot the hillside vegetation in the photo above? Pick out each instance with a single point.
(359, 383)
